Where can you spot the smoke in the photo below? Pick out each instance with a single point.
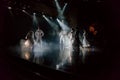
(59, 52)
(44, 48)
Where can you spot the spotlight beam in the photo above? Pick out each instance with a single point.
(35, 21)
(51, 23)
(64, 8)
(58, 6)
(63, 26)
(10, 10)
(26, 13)
(60, 11)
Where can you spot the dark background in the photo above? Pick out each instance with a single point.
(106, 66)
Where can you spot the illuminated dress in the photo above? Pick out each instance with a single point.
(38, 37)
(66, 48)
(38, 45)
(38, 41)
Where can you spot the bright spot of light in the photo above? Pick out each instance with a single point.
(57, 66)
(9, 8)
(23, 10)
(34, 13)
(27, 55)
(27, 43)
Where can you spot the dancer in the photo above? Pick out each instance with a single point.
(85, 43)
(38, 35)
(26, 46)
(66, 47)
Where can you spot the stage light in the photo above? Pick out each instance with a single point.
(27, 43)
(9, 8)
(51, 18)
(43, 16)
(51, 23)
(63, 25)
(26, 12)
(23, 10)
(34, 13)
(64, 8)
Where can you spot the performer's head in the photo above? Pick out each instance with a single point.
(39, 33)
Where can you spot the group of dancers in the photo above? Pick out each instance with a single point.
(33, 40)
